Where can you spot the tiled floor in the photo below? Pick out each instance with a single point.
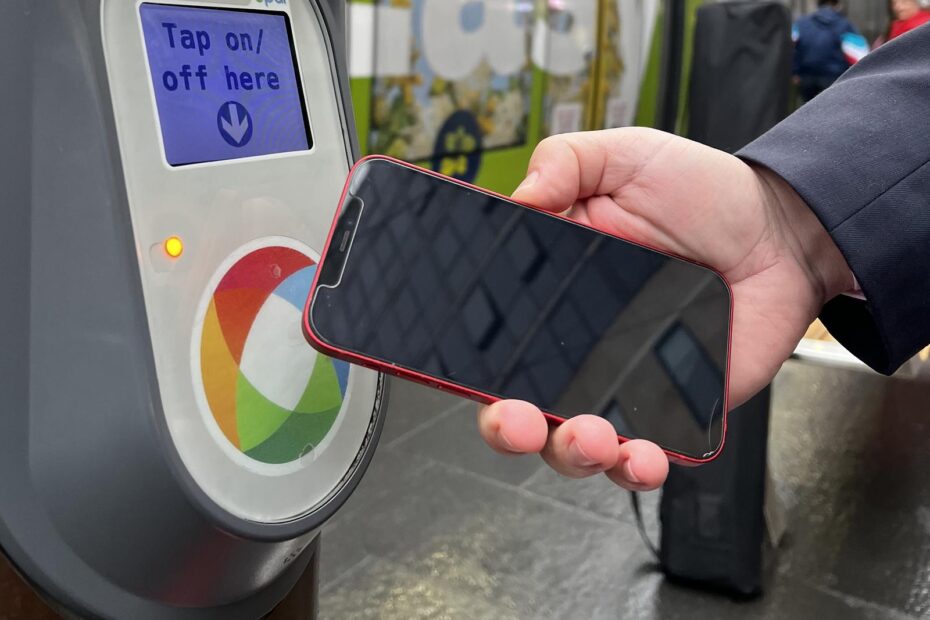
(441, 527)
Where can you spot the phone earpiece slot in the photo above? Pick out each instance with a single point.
(338, 254)
(344, 244)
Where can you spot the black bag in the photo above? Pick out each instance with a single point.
(741, 73)
(713, 526)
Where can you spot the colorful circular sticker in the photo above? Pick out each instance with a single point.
(273, 397)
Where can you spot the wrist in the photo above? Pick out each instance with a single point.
(806, 238)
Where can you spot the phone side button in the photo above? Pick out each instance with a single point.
(435, 385)
(449, 390)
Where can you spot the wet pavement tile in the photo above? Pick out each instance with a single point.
(441, 527)
(850, 454)
(453, 536)
(454, 440)
(596, 494)
(410, 406)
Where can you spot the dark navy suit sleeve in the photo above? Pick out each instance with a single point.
(859, 155)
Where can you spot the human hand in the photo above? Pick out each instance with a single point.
(699, 203)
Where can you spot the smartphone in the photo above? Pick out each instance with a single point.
(436, 281)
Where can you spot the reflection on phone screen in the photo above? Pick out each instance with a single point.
(515, 303)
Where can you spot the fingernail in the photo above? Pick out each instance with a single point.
(529, 180)
(506, 442)
(579, 457)
(628, 471)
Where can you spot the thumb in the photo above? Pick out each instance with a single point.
(571, 167)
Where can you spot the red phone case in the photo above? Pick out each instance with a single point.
(458, 390)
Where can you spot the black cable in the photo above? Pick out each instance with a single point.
(641, 525)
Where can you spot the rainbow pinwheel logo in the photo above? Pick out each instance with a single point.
(273, 397)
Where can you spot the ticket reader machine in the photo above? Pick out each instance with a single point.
(169, 444)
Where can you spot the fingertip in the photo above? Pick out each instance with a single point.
(552, 179)
(532, 176)
(539, 194)
(523, 426)
(594, 438)
(514, 427)
(641, 466)
(582, 446)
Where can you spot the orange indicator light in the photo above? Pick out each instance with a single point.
(174, 247)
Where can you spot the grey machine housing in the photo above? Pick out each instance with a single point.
(107, 523)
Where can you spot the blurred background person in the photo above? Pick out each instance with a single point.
(908, 15)
(826, 45)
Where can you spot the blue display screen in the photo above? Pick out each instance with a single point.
(225, 83)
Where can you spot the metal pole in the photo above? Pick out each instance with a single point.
(672, 58)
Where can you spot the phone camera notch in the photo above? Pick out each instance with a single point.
(341, 242)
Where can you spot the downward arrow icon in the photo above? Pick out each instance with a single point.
(235, 123)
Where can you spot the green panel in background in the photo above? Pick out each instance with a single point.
(691, 9)
(649, 94)
(649, 91)
(499, 169)
(361, 102)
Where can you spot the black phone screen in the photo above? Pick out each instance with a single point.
(512, 302)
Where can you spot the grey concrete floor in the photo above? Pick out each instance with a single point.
(441, 527)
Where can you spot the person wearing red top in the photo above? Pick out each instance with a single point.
(908, 15)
